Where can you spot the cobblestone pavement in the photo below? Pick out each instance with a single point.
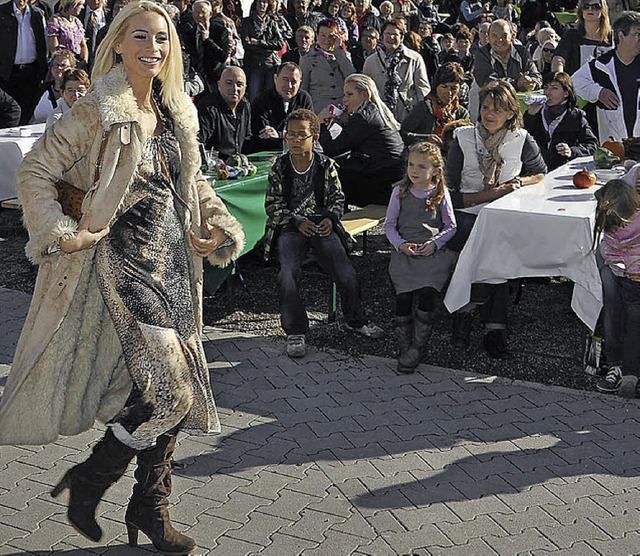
(332, 455)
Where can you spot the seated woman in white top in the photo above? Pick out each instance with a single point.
(484, 163)
(75, 84)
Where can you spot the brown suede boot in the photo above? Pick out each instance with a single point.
(147, 510)
(88, 481)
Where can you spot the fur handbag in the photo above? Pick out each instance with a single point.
(71, 197)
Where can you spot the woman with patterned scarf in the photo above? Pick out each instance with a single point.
(487, 162)
(399, 72)
(439, 108)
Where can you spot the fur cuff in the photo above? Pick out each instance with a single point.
(233, 229)
(51, 233)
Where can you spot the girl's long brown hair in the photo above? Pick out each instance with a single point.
(618, 202)
(432, 152)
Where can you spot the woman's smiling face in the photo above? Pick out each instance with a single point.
(493, 117)
(145, 46)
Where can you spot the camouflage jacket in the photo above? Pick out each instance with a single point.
(328, 199)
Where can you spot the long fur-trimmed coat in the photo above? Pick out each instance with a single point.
(69, 369)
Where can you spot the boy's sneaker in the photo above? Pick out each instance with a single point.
(368, 330)
(296, 346)
(610, 383)
(628, 386)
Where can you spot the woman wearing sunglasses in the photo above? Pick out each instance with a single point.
(590, 39)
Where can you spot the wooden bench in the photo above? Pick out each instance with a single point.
(361, 220)
(13, 204)
(356, 222)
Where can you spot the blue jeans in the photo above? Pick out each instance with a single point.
(614, 315)
(293, 248)
(630, 295)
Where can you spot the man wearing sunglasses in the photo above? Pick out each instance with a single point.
(612, 81)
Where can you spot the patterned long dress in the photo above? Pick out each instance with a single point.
(144, 271)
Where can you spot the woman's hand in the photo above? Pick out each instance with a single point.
(212, 237)
(325, 115)
(83, 239)
(533, 109)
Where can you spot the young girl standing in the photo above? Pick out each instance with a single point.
(618, 216)
(420, 220)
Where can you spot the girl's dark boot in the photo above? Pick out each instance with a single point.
(147, 510)
(422, 327)
(404, 335)
(88, 481)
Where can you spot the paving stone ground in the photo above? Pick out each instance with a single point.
(332, 455)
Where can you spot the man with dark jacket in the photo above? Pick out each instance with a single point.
(208, 43)
(501, 59)
(368, 45)
(23, 62)
(225, 115)
(302, 15)
(9, 111)
(271, 108)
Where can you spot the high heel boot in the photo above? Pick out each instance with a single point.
(88, 481)
(147, 510)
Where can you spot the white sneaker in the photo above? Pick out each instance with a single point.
(369, 330)
(296, 346)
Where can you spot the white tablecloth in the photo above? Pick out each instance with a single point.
(14, 144)
(539, 230)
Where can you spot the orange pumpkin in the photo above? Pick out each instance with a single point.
(615, 147)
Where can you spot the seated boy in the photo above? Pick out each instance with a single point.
(304, 204)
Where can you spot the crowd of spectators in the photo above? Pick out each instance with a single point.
(380, 76)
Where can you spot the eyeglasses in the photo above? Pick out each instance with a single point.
(78, 92)
(592, 7)
(549, 50)
(296, 136)
(61, 66)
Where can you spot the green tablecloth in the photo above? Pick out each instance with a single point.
(244, 197)
(565, 18)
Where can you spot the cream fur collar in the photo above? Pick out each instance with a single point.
(117, 104)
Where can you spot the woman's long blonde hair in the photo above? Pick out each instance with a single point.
(434, 156)
(171, 73)
(365, 84)
(604, 31)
